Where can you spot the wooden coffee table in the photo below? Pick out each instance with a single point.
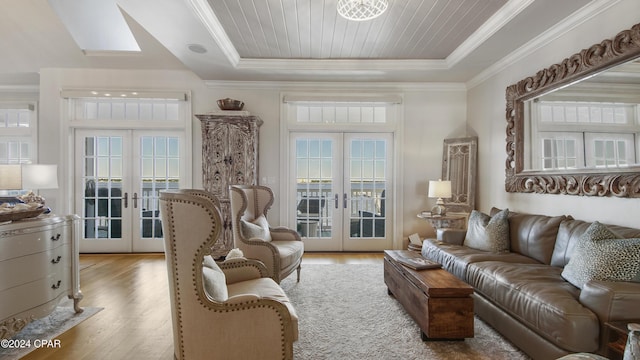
(440, 303)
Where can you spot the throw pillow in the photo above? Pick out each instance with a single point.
(488, 233)
(214, 280)
(258, 228)
(601, 254)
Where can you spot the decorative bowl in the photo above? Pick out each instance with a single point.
(230, 104)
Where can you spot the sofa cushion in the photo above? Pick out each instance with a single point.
(258, 228)
(569, 234)
(488, 233)
(290, 252)
(538, 296)
(264, 288)
(533, 235)
(456, 258)
(602, 255)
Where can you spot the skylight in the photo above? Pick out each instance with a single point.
(97, 26)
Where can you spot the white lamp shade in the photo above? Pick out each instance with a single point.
(39, 176)
(439, 189)
(10, 177)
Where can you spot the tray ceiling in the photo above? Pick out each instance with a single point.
(282, 40)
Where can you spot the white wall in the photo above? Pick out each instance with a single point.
(432, 112)
(486, 117)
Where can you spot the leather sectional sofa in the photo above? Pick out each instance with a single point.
(522, 294)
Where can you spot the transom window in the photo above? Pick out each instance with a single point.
(341, 113)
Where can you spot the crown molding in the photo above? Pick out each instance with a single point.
(574, 20)
(210, 21)
(502, 17)
(333, 86)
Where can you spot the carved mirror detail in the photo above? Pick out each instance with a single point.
(459, 162)
(621, 181)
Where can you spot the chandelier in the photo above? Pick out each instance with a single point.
(360, 10)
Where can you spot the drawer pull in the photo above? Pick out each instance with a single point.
(56, 260)
(56, 285)
(55, 238)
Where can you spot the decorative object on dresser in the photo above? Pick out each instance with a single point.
(38, 266)
(229, 156)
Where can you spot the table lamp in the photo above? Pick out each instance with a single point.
(439, 189)
(10, 179)
(37, 177)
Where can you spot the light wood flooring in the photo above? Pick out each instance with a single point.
(136, 320)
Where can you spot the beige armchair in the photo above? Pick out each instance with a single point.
(279, 248)
(227, 310)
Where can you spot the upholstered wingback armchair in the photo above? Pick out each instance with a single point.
(279, 248)
(227, 310)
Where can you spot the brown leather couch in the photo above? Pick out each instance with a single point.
(522, 294)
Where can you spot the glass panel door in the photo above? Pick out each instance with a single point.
(341, 183)
(102, 190)
(318, 181)
(367, 180)
(119, 175)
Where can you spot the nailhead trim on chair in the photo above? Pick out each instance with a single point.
(203, 250)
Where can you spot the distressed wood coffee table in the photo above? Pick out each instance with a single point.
(440, 303)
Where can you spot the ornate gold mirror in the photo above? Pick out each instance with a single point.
(574, 127)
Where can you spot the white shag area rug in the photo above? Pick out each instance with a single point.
(49, 327)
(345, 313)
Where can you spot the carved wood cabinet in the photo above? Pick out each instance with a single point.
(229, 157)
(38, 267)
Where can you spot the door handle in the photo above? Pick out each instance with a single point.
(344, 200)
(135, 200)
(337, 200)
(126, 200)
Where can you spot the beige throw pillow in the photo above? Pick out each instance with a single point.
(258, 228)
(488, 233)
(214, 280)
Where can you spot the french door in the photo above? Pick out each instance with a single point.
(118, 177)
(342, 188)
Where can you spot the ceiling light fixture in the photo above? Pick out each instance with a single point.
(361, 10)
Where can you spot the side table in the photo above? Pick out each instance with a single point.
(443, 221)
(617, 333)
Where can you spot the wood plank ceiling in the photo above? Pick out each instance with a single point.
(312, 29)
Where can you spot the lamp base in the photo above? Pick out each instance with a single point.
(439, 209)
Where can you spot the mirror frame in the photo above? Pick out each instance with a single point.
(589, 182)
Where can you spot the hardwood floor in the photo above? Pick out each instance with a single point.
(136, 320)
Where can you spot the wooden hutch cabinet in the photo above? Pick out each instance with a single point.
(229, 157)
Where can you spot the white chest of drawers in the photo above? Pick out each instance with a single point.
(39, 265)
